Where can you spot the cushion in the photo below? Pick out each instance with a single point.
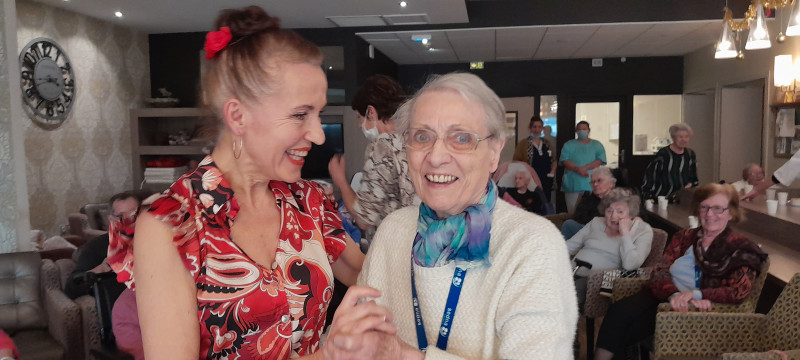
(20, 302)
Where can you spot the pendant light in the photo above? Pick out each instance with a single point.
(726, 46)
(794, 20)
(758, 37)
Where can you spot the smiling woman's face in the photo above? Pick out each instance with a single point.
(448, 182)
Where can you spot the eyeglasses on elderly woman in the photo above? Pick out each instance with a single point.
(455, 141)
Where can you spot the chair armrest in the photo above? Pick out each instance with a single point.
(715, 307)
(624, 287)
(767, 355)
(64, 323)
(91, 327)
(596, 304)
(558, 219)
(699, 334)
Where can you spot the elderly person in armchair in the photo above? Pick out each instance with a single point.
(505, 269)
(602, 181)
(617, 240)
(709, 263)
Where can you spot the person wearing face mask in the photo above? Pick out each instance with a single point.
(385, 185)
(538, 153)
(674, 167)
(579, 156)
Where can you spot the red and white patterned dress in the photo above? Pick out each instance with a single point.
(245, 310)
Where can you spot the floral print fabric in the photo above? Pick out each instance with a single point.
(246, 310)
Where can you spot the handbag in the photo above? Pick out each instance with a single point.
(606, 287)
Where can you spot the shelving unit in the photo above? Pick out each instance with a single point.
(785, 146)
(150, 130)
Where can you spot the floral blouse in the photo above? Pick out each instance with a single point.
(245, 310)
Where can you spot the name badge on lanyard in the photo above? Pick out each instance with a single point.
(449, 310)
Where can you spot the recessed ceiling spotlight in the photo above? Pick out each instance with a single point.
(431, 49)
(118, 14)
(403, 4)
(330, 67)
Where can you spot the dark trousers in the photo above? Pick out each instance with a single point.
(628, 321)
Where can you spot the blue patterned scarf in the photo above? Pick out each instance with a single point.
(463, 237)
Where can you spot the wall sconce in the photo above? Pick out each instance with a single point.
(784, 75)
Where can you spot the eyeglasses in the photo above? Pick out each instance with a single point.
(714, 209)
(455, 141)
(122, 216)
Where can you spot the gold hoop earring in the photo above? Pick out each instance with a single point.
(237, 154)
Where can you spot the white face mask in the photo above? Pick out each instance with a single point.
(370, 134)
(583, 134)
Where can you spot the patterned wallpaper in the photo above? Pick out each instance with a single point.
(88, 158)
(8, 198)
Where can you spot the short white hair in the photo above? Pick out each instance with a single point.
(471, 88)
(674, 129)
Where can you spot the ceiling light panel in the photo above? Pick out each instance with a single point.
(406, 19)
(353, 21)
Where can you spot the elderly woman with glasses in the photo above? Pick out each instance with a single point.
(464, 274)
(700, 266)
(602, 182)
(617, 240)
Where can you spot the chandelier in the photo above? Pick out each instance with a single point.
(755, 21)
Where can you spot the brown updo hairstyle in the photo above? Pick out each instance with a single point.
(706, 191)
(383, 93)
(249, 67)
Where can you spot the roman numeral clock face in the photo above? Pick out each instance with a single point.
(47, 82)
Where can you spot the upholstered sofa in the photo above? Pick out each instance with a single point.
(41, 320)
(90, 222)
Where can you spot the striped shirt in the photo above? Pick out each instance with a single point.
(669, 172)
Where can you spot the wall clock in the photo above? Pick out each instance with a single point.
(47, 82)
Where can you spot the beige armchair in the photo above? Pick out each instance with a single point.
(90, 222)
(597, 305)
(41, 320)
(733, 336)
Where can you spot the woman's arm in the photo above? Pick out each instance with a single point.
(379, 186)
(575, 243)
(635, 247)
(348, 266)
(165, 294)
(740, 284)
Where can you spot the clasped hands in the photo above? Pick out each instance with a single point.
(362, 329)
(681, 301)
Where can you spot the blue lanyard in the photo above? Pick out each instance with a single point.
(697, 274)
(449, 309)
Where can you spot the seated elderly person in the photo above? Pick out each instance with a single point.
(533, 201)
(602, 182)
(752, 175)
(709, 263)
(614, 241)
(505, 269)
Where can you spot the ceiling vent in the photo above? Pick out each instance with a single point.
(409, 19)
(354, 21)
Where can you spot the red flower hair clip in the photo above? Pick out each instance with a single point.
(216, 41)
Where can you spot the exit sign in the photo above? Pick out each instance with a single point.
(476, 65)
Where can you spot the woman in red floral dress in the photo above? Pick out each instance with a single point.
(242, 251)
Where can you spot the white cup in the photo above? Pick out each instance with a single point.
(648, 204)
(693, 222)
(662, 203)
(770, 194)
(661, 197)
(772, 206)
(783, 197)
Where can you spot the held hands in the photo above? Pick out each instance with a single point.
(680, 302)
(362, 330)
(582, 171)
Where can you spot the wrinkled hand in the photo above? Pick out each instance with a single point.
(371, 345)
(625, 226)
(104, 267)
(352, 320)
(336, 168)
(680, 302)
(702, 305)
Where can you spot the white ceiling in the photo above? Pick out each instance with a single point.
(451, 46)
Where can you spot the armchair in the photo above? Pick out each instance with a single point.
(90, 222)
(41, 320)
(597, 305)
(734, 336)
